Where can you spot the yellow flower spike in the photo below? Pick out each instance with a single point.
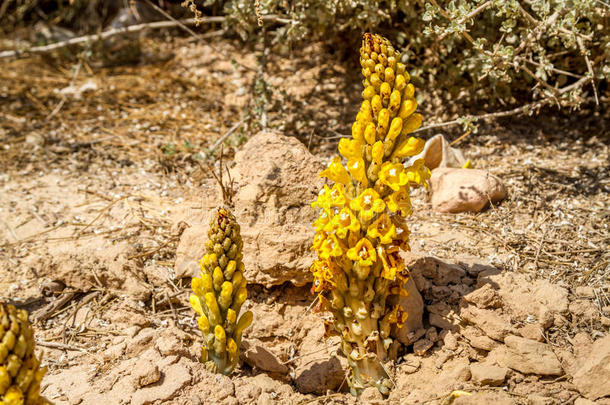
(238, 279)
(204, 324)
(350, 148)
(357, 170)
(399, 202)
(407, 108)
(230, 270)
(231, 316)
(418, 173)
(358, 131)
(382, 228)
(409, 147)
(321, 221)
(196, 304)
(206, 283)
(384, 90)
(395, 128)
(394, 104)
(336, 172)
(400, 82)
(411, 124)
(389, 75)
(393, 175)
(377, 152)
(366, 107)
(409, 91)
(213, 311)
(368, 204)
(368, 93)
(226, 295)
(331, 247)
(379, 68)
(363, 253)
(232, 351)
(369, 133)
(376, 104)
(364, 116)
(220, 339)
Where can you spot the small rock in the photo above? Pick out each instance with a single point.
(145, 373)
(319, 376)
(442, 358)
(491, 323)
(371, 396)
(484, 297)
(584, 292)
(531, 357)
(258, 356)
(487, 374)
(583, 401)
(592, 375)
(442, 322)
(532, 331)
(464, 190)
(540, 400)
(176, 377)
(170, 344)
(432, 334)
(422, 346)
(450, 341)
(485, 398)
(140, 342)
(605, 321)
(478, 340)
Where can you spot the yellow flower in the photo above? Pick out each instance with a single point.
(418, 173)
(402, 236)
(323, 200)
(318, 239)
(363, 253)
(392, 263)
(409, 147)
(331, 247)
(350, 148)
(393, 175)
(336, 172)
(322, 275)
(343, 222)
(368, 204)
(382, 228)
(322, 220)
(331, 197)
(356, 168)
(398, 316)
(400, 202)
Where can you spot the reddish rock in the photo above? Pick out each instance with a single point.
(464, 190)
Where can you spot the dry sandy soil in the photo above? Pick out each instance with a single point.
(103, 179)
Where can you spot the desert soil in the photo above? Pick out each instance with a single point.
(103, 171)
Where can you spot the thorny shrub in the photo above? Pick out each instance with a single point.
(506, 51)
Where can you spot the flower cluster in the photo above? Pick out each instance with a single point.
(361, 227)
(220, 293)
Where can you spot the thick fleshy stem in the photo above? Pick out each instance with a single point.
(361, 228)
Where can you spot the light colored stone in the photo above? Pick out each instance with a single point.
(488, 374)
(464, 190)
(489, 321)
(592, 373)
(531, 357)
(276, 180)
(174, 378)
(484, 297)
(371, 396)
(584, 292)
(413, 304)
(583, 401)
(145, 373)
(532, 331)
(422, 346)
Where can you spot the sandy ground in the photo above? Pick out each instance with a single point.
(102, 168)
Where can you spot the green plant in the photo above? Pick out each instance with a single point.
(361, 228)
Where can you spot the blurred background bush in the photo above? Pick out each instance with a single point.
(502, 52)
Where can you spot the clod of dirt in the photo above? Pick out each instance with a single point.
(485, 398)
(592, 375)
(276, 179)
(371, 396)
(490, 322)
(488, 374)
(464, 190)
(256, 355)
(531, 357)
